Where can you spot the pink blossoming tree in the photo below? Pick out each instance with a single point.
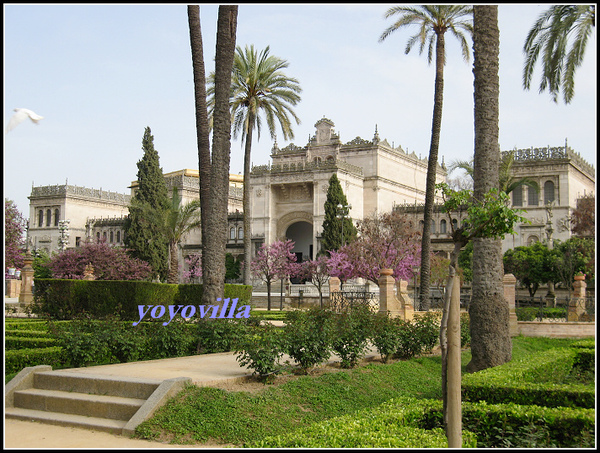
(316, 272)
(273, 262)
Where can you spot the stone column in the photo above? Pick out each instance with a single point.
(577, 303)
(388, 303)
(510, 282)
(26, 295)
(405, 300)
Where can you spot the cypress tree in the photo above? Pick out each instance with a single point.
(332, 225)
(144, 234)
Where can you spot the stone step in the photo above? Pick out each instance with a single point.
(102, 406)
(60, 419)
(95, 384)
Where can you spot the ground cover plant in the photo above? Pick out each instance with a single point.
(244, 418)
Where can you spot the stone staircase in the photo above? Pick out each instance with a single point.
(98, 402)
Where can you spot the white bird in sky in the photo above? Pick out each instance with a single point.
(19, 117)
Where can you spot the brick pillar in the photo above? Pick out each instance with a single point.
(510, 282)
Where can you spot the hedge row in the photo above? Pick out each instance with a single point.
(16, 360)
(416, 423)
(391, 425)
(535, 381)
(11, 342)
(531, 313)
(11, 332)
(65, 299)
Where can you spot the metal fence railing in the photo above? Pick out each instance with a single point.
(342, 301)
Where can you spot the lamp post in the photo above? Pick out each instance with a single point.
(342, 212)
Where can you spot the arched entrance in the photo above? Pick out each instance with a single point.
(302, 235)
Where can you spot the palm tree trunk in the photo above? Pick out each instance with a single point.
(489, 315)
(216, 228)
(246, 200)
(202, 130)
(174, 264)
(436, 127)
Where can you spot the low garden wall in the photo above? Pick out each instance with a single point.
(556, 329)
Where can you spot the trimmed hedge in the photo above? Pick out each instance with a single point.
(28, 343)
(66, 299)
(535, 381)
(26, 333)
(392, 425)
(16, 360)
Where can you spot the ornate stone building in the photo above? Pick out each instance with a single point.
(288, 196)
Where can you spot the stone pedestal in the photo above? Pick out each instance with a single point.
(26, 295)
(397, 307)
(509, 281)
(576, 307)
(334, 284)
(13, 287)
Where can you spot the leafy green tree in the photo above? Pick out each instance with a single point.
(259, 87)
(144, 232)
(332, 225)
(556, 29)
(531, 265)
(179, 220)
(574, 255)
(433, 21)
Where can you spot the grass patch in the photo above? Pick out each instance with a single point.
(199, 414)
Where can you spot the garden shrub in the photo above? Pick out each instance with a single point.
(19, 342)
(26, 333)
(427, 330)
(352, 332)
(391, 425)
(260, 349)
(219, 334)
(537, 380)
(385, 336)
(17, 359)
(177, 339)
(308, 336)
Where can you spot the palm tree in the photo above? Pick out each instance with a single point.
(551, 35)
(491, 344)
(214, 167)
(506, 181)
(258, 86)
(433, 22)
(178, 222)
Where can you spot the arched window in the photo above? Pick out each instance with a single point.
(56, 217)
(98, 236)
(443, 226)
(118, 237)
(112, 237)
(532, 240)
(48, 217)
(455, 224)
(40, 218)
(533, 198)
(240, 233)
(548, 192)
(432, 226)
(517, 196)
(104, 236)
(232, 233)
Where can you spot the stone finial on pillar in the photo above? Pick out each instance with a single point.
(576, 307)
(509, 281)
(26, 295)
(334, 284)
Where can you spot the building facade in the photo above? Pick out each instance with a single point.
(288, 196)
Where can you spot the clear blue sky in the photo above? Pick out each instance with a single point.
(99, 74)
